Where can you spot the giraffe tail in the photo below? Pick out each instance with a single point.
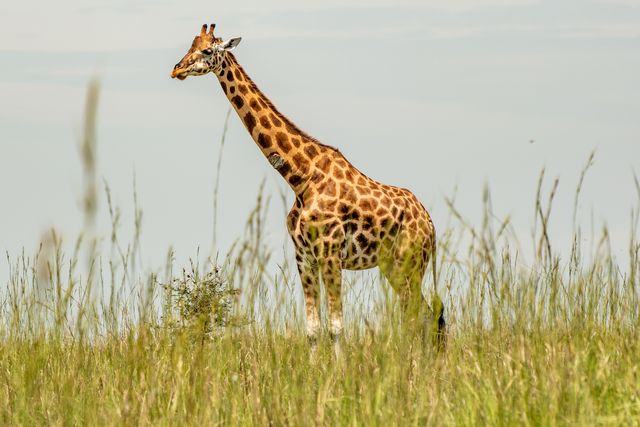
(439, 325)
(434, 264)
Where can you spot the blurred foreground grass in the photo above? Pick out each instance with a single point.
(550, 342)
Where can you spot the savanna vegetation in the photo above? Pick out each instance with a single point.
(86, 338)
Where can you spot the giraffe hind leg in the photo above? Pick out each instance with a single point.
(405, 278)
(405, 272)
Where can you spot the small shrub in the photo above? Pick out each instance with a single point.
(202, 304)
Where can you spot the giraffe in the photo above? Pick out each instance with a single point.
(341, 219)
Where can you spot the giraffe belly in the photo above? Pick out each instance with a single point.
(356, 257)
(353, 263)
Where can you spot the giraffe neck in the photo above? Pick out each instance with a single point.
(289, 150)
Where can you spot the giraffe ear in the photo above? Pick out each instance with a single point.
(231, 43)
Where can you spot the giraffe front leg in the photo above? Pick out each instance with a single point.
(332, 280)
(309, 276)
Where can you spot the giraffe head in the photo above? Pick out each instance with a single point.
(205, 55)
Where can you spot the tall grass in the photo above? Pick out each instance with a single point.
(551, 342)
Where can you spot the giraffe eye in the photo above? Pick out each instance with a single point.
(207, 51)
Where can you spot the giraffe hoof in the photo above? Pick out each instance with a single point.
(313, 340)
(312, 335)
(336, 329)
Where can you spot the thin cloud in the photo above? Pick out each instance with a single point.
(459, 32)
(627, 3)
(452, 5)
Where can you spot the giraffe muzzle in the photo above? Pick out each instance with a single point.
(178, 73)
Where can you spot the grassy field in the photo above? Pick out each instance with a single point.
(87, 339)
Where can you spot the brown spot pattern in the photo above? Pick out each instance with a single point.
(283, 141)
(250, 121)
(264, 121)
(254, 104)
(264, 140)
(366, 204)
(311, 151)
(276, 121)
(237, 101)
(324, 163)
(301, 162)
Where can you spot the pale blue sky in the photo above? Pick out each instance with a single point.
(428, 95)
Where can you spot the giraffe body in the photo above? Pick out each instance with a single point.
(341, 219)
